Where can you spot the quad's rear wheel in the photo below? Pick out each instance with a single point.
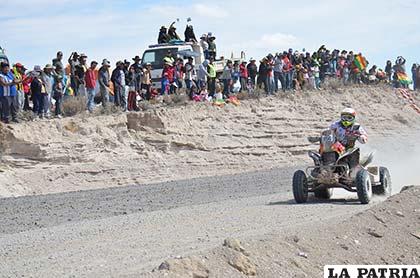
(364, 186)
(325, 193)
(300, 187)
(385, 187)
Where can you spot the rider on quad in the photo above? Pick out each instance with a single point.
(348, 131)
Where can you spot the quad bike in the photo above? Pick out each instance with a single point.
(340, 168)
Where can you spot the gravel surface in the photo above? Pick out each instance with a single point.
(34, 212)
(125, 231)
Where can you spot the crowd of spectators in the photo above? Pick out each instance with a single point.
(43, 90)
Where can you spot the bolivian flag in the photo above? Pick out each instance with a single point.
(403, 78)
(360, 62)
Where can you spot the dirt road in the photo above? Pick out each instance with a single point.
(126, 230)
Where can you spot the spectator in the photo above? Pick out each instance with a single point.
(388, 70)
(138, 71)
(8, 93)
(418, 78)
(263, 74)
(39, 93)
(189, 34)
(58, 91)
(252, 71)
(212, 45)
(211, 78)
(90, 81)
(205, 45)
(103, 80)
(278, 73)
(168, 78)
(57, 62)
(414, 75)
(179, 73)
(189, 73)
(27, 79)
(172, 33)
(202, 74)
(80, 72)
(146, 80)
(227, 78)
(19, 72)
(315, 70)
(288, 70)
(243, 75)
(132, 93)
(74, 62)
(47, 81)
(118, 79)
(163, 35)
(270, 74)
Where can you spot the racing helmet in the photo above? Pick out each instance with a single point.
(348, 117)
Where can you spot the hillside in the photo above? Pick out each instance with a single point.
(185, 141)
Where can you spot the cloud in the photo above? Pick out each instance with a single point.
(276, 41)
(209, 11)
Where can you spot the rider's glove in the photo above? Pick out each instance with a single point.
(338, 148)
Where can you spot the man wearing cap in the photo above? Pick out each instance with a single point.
(90, 81)
(103, 80)
(138, 71)
(8, 93)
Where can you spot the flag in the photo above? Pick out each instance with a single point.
(409, 98)
(360, 62)
(403, 78)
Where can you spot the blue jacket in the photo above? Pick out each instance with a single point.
(8, 91)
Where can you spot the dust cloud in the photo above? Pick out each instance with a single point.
(401, 155)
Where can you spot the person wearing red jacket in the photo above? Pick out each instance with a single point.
(90, 80)
(288, 71)
(243, 72)
(168, 78)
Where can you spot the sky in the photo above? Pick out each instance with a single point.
(32, 31)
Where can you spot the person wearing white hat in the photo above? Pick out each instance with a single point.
(205, 45)
(212, 45)
(103, 80)
(47, 80)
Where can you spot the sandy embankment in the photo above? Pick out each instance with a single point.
(90, 152)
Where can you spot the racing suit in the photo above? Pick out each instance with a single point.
(347, 136)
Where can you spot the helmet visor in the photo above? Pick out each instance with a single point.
(347, 118)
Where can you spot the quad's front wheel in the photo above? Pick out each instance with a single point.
(300, 187)
(325, 193)
(364, 186)
(384, 188)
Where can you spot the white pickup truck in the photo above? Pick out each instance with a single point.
(156, 53)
